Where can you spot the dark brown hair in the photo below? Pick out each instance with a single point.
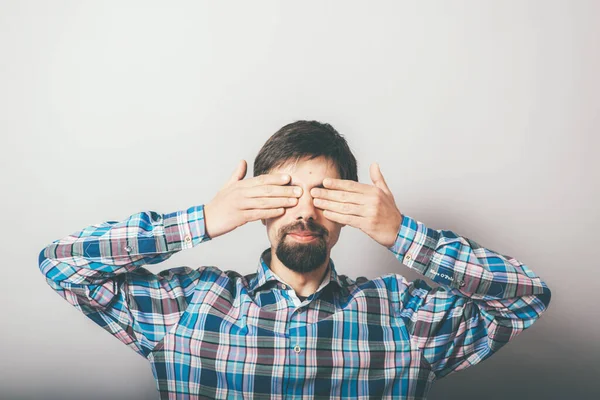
(303, 139)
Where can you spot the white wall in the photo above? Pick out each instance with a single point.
(482, 114)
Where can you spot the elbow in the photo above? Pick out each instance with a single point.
(537, 305)
(44, 262)
(545, 296)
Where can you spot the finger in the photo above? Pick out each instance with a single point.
(266, 179)
(239, 173)
(341, 208)
(347, 185)
(268, 202)
(255, 215)
(344, 219)
(377, 178)
(339, 195)
(272, 191)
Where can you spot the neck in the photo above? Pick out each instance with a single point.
(303, 283)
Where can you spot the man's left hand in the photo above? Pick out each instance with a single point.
(370, 208)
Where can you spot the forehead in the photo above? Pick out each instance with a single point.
(309, 171)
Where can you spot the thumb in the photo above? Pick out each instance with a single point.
(377, 178)
(239, 173)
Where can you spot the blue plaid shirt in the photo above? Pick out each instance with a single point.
(209, 333)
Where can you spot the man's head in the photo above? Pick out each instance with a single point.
(309, 152)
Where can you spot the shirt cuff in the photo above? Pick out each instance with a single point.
(415, 245)
(185, 229)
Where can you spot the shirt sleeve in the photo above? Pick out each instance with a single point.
(99, 270)
(485, 299)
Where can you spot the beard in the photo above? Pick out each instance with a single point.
(303, 257)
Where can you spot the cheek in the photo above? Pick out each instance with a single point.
(337, 235)
(273, 225)
(334, 233)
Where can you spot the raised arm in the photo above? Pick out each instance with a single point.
(484, 301)
(99, 271)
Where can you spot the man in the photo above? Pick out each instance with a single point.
(295, 328)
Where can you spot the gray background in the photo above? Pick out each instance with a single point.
(482, 114)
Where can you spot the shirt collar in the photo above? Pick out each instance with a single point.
(264, 274)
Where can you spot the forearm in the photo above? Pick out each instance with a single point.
(105, 250)
(460, 263)
(485, 299)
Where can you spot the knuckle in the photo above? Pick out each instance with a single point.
(256, 214)
(250, 192)
(246, 216)
(238, 193)
(239, 203)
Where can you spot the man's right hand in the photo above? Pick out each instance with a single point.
(241, 201)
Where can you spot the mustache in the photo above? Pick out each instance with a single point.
(310, 226)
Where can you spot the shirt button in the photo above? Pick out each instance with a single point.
(297, 349)
(284, 286)
(462, 283)
(188, 238)
(408, 257)
(128, 248)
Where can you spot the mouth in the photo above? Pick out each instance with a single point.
(303, 237)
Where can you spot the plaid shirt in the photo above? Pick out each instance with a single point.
(210, 333)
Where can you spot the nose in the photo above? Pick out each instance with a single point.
(305, 209)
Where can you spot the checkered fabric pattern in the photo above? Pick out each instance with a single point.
(209, 333)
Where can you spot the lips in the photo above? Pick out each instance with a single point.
(304, 236)
(304, 233)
